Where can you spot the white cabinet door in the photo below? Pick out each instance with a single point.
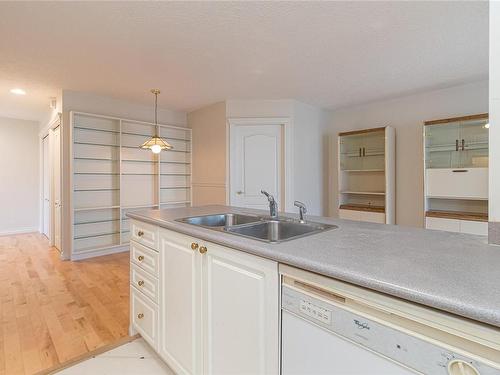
(471, 183)
(437, 223)
(240, 313)
(349, 215)
(180, 333)
(474, 227)
(373, 217)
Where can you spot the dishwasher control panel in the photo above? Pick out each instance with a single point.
(404, 348)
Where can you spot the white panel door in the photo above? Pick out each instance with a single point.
(180, 299)
(240, 312)
(255, 164)
(57, 186)
(46, 186)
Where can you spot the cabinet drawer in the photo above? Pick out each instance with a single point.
(144, 317)
(144, 282)
(373, 217)
(144, 257)
(145, 234)
(474, 227)
(437, 223)
(349, 215)
(457, 183)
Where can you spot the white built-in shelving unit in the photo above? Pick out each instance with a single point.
(111, 176)
(366, 175)
(456, 174)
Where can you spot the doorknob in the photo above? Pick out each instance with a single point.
(239, 192)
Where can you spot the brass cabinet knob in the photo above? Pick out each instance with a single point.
(194, 246)
(203, 250)
(140, 315)
(140, 282)
(140, 258)
(140, 233)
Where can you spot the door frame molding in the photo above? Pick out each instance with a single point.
(47, 131)
(287, 163)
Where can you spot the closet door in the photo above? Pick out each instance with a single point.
(46, 187)
(57, 187)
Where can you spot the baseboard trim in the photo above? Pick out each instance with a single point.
(99, 252)
(19, 231)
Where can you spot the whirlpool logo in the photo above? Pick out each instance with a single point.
(361, 325)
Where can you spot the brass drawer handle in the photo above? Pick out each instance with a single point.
(140, 282)
(140, 233)
(203, 250)
(140, 315)
(140, 258)
(194, 246)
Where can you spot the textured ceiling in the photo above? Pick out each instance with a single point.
(331, 54)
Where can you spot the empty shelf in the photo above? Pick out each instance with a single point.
(460, 215)
(362, 207)
(80, 190)
(95, 222)
(96, 144)
(96, 208)
(363, 192)
(98, 130)
(95, 235)
(362, 170)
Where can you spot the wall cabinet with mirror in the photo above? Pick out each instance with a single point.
(456, 174)
(111, 176)
(367, 175)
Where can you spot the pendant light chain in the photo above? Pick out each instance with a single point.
(155, 143)
(156, 113)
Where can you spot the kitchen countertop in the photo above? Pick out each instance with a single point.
(454, 272)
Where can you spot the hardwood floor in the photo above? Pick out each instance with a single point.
(53, 311)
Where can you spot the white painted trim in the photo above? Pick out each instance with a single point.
(176, 126)
(288, 172)
(99, 252)
(19, 231)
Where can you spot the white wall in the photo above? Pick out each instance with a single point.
(494, 188)
(87, 102)
(406, 115)
(19, 176)
(309, 145)
(209, 154)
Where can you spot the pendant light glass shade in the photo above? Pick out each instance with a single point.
(156, 144)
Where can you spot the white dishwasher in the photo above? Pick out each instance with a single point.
(330, 327)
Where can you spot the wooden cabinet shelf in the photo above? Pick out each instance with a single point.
(472, 216)
(366, 175)
(456, 174)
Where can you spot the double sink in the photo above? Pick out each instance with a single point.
(262, 228)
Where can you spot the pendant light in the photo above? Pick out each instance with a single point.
(156, 144)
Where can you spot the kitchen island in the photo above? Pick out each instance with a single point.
(456, 273)
(209, 301)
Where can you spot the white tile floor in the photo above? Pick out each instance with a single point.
(134, 358)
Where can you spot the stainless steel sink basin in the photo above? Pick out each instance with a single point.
(278, 230)
(220, 220)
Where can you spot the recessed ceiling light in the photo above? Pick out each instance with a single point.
(18, 91)
(487, 126)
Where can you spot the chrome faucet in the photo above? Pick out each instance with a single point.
(302, 210)
(273, 206)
